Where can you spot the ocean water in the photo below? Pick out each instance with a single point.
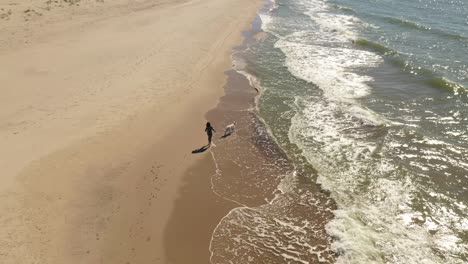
(370, 99)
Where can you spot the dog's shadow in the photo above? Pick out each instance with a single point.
(201, 150)
(226, 135)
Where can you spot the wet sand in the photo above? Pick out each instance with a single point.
(196, 213)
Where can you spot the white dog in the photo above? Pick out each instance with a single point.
(230, 129)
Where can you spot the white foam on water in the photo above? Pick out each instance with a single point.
(375, 226)
(271, 233)
(328, 67)
(266, 21)
(375, 222)
(274, 6)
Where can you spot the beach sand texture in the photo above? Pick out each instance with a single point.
(101, 105)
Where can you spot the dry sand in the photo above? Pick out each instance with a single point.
(101, 105)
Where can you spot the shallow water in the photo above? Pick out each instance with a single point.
(282, 212)
(369, 99)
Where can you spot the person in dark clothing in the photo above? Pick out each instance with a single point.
(209, 131)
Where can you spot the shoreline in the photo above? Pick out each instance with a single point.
(100, 185)
(264, 184)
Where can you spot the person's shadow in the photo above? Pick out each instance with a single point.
(202, 149)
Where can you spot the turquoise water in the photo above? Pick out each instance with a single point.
(372, 95)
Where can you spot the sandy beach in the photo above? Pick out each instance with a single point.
(101, 106)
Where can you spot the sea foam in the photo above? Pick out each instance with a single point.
(375, 222)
